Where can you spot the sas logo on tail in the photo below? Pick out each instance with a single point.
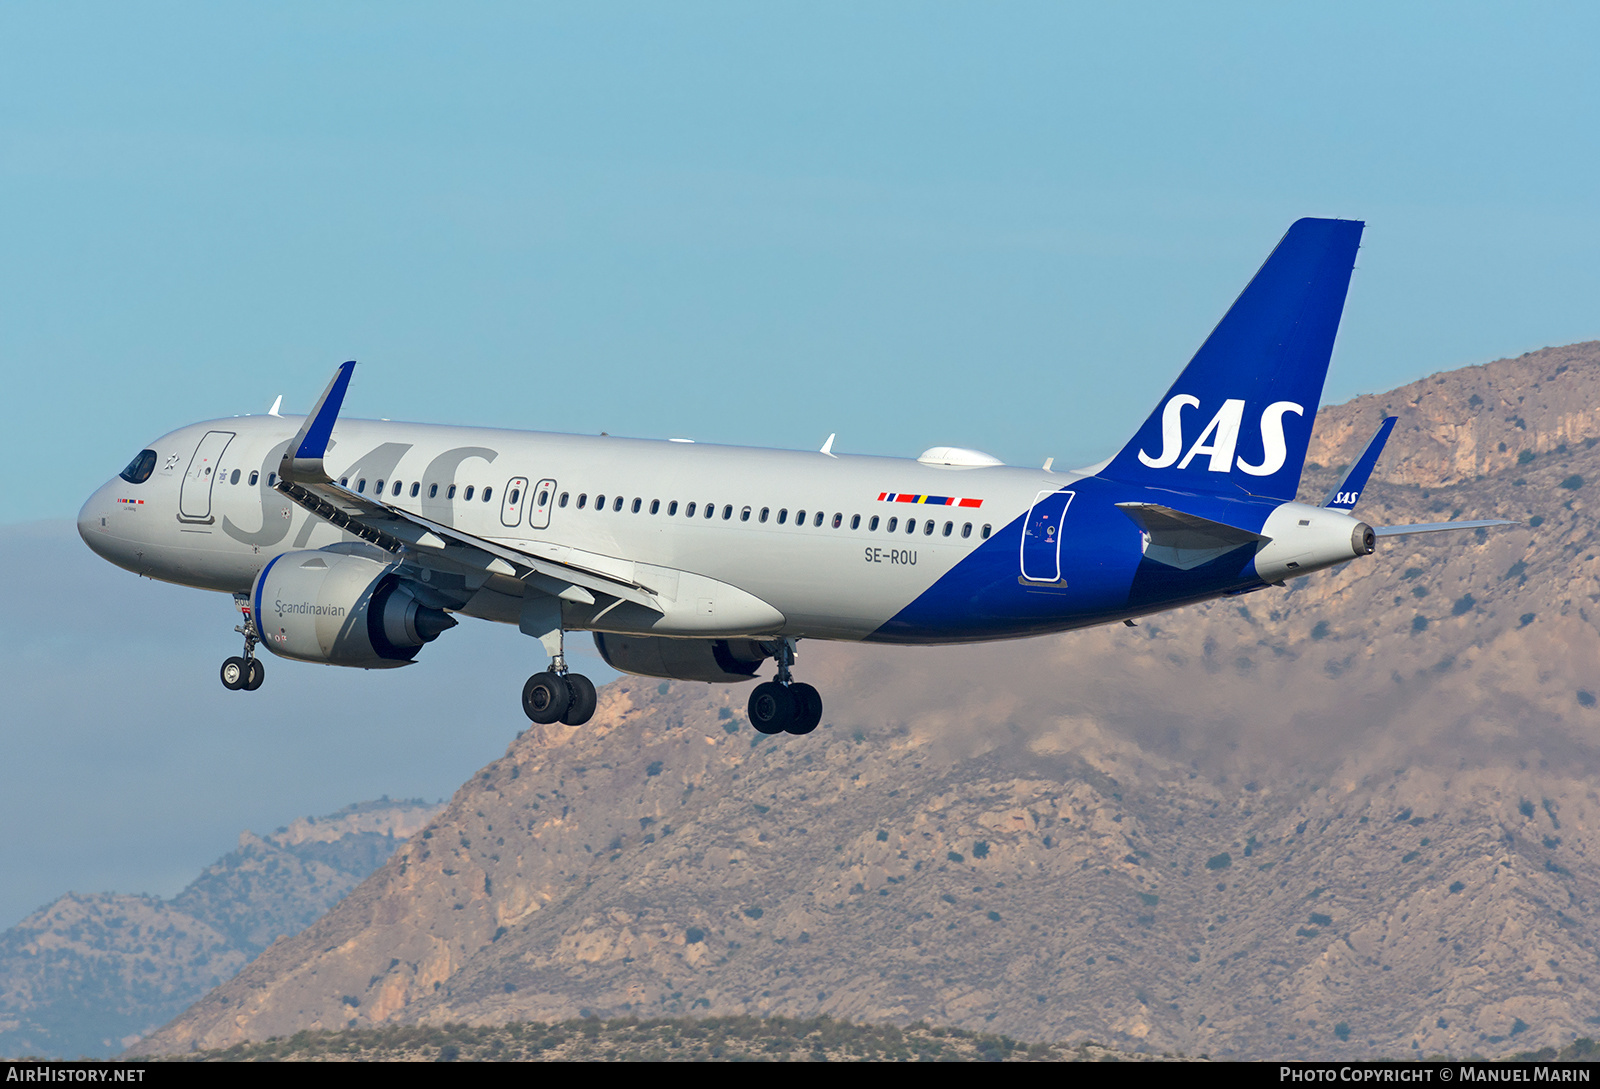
(1221, 436)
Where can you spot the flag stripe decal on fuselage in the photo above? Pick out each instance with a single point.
(930, 500)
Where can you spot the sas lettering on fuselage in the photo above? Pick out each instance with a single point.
(1221, 437)
(906, 557)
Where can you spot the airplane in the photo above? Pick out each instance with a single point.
(357, 542)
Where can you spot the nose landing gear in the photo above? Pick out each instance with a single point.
(247, 672)
(784, 705)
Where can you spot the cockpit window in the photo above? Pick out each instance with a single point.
(140, 468)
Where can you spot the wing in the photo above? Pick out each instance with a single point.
(303, 479)
(1186, 541)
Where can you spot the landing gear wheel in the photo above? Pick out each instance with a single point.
(581, 709)
(772, 708)
(234, 672)
(545, 698)
(254, 674)
(808, 708)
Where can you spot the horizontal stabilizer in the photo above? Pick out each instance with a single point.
(1348, 492)
(1440, 527)
(1185, 541)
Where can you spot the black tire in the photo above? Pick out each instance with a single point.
(808, 708)
(254, 675)
(772, 708)
(545, 698)
(234, 672)
(581, 709)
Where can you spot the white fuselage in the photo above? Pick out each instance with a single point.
(754, 524)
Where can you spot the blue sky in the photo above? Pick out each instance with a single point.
(1004, 226)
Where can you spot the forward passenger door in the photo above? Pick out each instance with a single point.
(194, 495)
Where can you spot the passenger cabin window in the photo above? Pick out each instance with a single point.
(672, 507)
(544, 497)
(911, 525)
(396, 489)
(783, 515)
(893, 522)
(563, 500)
(450, 492)
(799, 517)
(711, 509)
(433, 491)
(817, 521)
(416, 486)
(582, 499)
(234, 478)
(487, 492)
(361, 485)
(872, 523)
(744, 515)
(927, 529)
(764, 512)
(985, 533)
(344, 482)
(140, 468)
(617, 503)
(688, 512)
(272, 478)
(948, 526)
(467, 495)
(377, 489)
(855, 521)
(838, 520)
(254, 476)
(727, 512)
(655, 506)
(966, 530)
(599, 502)
(516, 494)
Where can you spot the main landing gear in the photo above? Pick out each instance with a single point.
(247, 672)
(785, 705)
(557, 695)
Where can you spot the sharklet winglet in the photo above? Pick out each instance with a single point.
(302, 461)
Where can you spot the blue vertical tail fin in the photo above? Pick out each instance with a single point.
(1240, 414)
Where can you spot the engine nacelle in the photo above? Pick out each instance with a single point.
(717, 660)
(342, 609)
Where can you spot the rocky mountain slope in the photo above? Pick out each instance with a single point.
(1350, 817)
(684, 1039)
(90, 974)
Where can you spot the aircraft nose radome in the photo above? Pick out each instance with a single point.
(92, 521)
